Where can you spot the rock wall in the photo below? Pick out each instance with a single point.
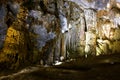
(108, 33)
(49, 31)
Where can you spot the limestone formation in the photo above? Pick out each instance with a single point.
(50, 31)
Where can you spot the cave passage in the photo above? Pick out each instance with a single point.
(59, 40)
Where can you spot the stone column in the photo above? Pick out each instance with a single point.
(91, 21)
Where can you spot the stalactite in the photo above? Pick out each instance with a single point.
(42, 38)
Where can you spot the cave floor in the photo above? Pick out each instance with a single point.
(91, 68)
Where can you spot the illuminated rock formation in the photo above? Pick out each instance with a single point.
(49, 31)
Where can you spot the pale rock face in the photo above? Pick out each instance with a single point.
(95, 4)
(117, 0)
(102, 47)
(106, 30)
(35, 14)
(116, 21)
(43, 36)
(90, 17)
(70, 26)
(63, 23)
(90, 43)
(118, 5)
(108, 6)
(87, 49)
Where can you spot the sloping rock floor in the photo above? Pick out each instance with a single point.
(105, 67)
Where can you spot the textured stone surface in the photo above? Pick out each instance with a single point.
(55, 29)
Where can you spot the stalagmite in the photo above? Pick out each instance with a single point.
(55, 30)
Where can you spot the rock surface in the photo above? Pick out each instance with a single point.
(56, 30)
